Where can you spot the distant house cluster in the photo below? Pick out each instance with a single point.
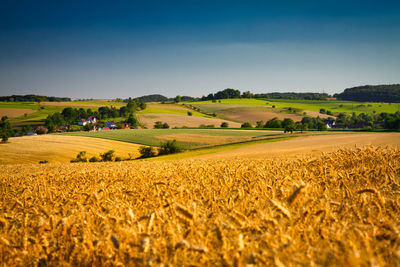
(89, 120)
(110, 125)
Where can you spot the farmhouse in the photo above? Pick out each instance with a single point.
(41, 129)
(111, 125)
(90, 119)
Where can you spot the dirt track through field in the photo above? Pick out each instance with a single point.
(309, 145)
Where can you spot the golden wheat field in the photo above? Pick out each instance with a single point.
(341, 208)
(60, 148)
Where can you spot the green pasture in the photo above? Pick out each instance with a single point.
(149, 136)
(172, 111)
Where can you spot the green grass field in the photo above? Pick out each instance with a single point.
(101, 103)
(172, 111)
(19, 105)
(152, 136)
(311, 105)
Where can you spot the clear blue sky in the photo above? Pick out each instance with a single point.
(109, 49)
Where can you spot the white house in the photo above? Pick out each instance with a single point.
(90, 119)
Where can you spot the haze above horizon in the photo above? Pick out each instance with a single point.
(99, 49)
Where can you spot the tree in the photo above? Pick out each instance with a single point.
(178, 99)
(247, 94)
(288, 125)
(169, 147)
(224, 125)
(5, 127)
(273, 123)
(132, 121)
(165, 125)
(246, 125)
(4, 137)
(108, 156)
(322, 126)
(158, 125)
(132, 106)
(51, 127)
(70, 115)
(286, 122)
(260, 124)
(301, 127)
(147, 152)
(190, 113)
(81, 157)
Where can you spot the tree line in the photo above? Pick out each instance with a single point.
(33, 98)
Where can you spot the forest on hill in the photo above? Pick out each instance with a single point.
(372, 93)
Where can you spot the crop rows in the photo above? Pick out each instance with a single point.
(342, 208)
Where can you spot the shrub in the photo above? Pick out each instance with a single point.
(4, 137)
(43, 161)
(322, 111)
(88, 127)
(169, 147)
(81, 157)
(224, 125)
(165, 125)
(328, 112)
(190, 113)
(246, 125)
(118, 159)
(158, 125)
(207, 126)
(108, 156)
(260, 124)
(94, 159)
(147, 152)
